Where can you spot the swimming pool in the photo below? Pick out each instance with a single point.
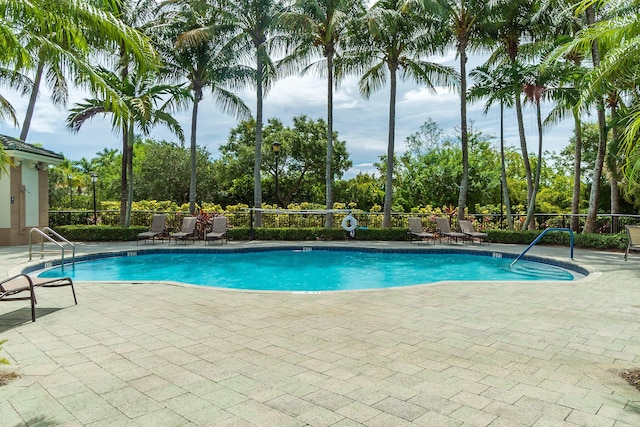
(306, 269)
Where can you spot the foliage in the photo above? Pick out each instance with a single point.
(3, 361)
(100, 233)
(588, 240)
(301, 161)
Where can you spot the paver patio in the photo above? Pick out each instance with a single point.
(450, 354)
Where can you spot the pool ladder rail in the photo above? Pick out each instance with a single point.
(540, 237)
(46, 233)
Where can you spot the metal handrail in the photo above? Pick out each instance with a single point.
(540, 237)
(45, 233)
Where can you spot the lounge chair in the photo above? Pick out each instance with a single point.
(633, 237)
(219, 230)
(188, 229)
(444, 229)
(157, 229)
(416, 230)
(12, 287)
(470, 232)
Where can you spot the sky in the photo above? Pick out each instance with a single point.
(361, 123)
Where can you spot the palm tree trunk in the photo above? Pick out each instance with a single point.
(523, 146)
(530, 221)
(388, 190)
(127, 221)
(612, 162)
(32, 99)
(577, 171)
(192, 183)
(123, 175)
(503, 171)
(464, 137)
(594, 196)
(257, 184)
(329, 173)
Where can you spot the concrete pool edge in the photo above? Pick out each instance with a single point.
(581, 272)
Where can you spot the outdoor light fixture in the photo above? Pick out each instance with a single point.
(276, 149)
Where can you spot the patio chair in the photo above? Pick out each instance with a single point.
(157, 229)
(219, 230)
(633, 237)
(188, 229)
(444, 229)
(417, 232)
(12, 287)
(468, 229)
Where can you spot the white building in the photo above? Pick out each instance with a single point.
(24, 190)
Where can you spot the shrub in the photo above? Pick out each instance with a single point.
(99, 233)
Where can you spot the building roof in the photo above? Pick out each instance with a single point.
(14, 144)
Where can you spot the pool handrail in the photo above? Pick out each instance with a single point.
(540, 237)
(46, 233)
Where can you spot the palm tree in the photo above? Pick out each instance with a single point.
(534, 89)
(42, 31)
(514, 23)
(321, 25)
(390, 40)
(465, 23)
(142, 97)
(195, 48)
(567, 100)
(496, 86)
(620, 34)
(257, 31)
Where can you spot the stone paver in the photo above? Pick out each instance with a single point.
(450, 354)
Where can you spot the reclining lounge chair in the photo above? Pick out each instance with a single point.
(157, 229)
(471, 233)
(188, 229)
(11, 287)
(444, 229)
(633, 237)
(417, 232)
(219, 230)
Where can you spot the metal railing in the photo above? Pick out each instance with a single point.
(46, 234)
(606, 223)
(532, 244)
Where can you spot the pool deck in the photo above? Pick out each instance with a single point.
(448, 354)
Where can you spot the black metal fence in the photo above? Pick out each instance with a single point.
(606, 223)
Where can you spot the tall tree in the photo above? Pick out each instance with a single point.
(495, 85)
(62, 34)
(389, 42)
(147, 104)
(195, 47)
(465, 21)
(257, 31)
(322, 24)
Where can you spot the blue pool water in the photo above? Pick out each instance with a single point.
(306, 270)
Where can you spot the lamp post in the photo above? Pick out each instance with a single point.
(94, 178)
(276, 149)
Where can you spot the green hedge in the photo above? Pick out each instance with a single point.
(104, 233)
(99, 233)
(593, 240)
(319, 233)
